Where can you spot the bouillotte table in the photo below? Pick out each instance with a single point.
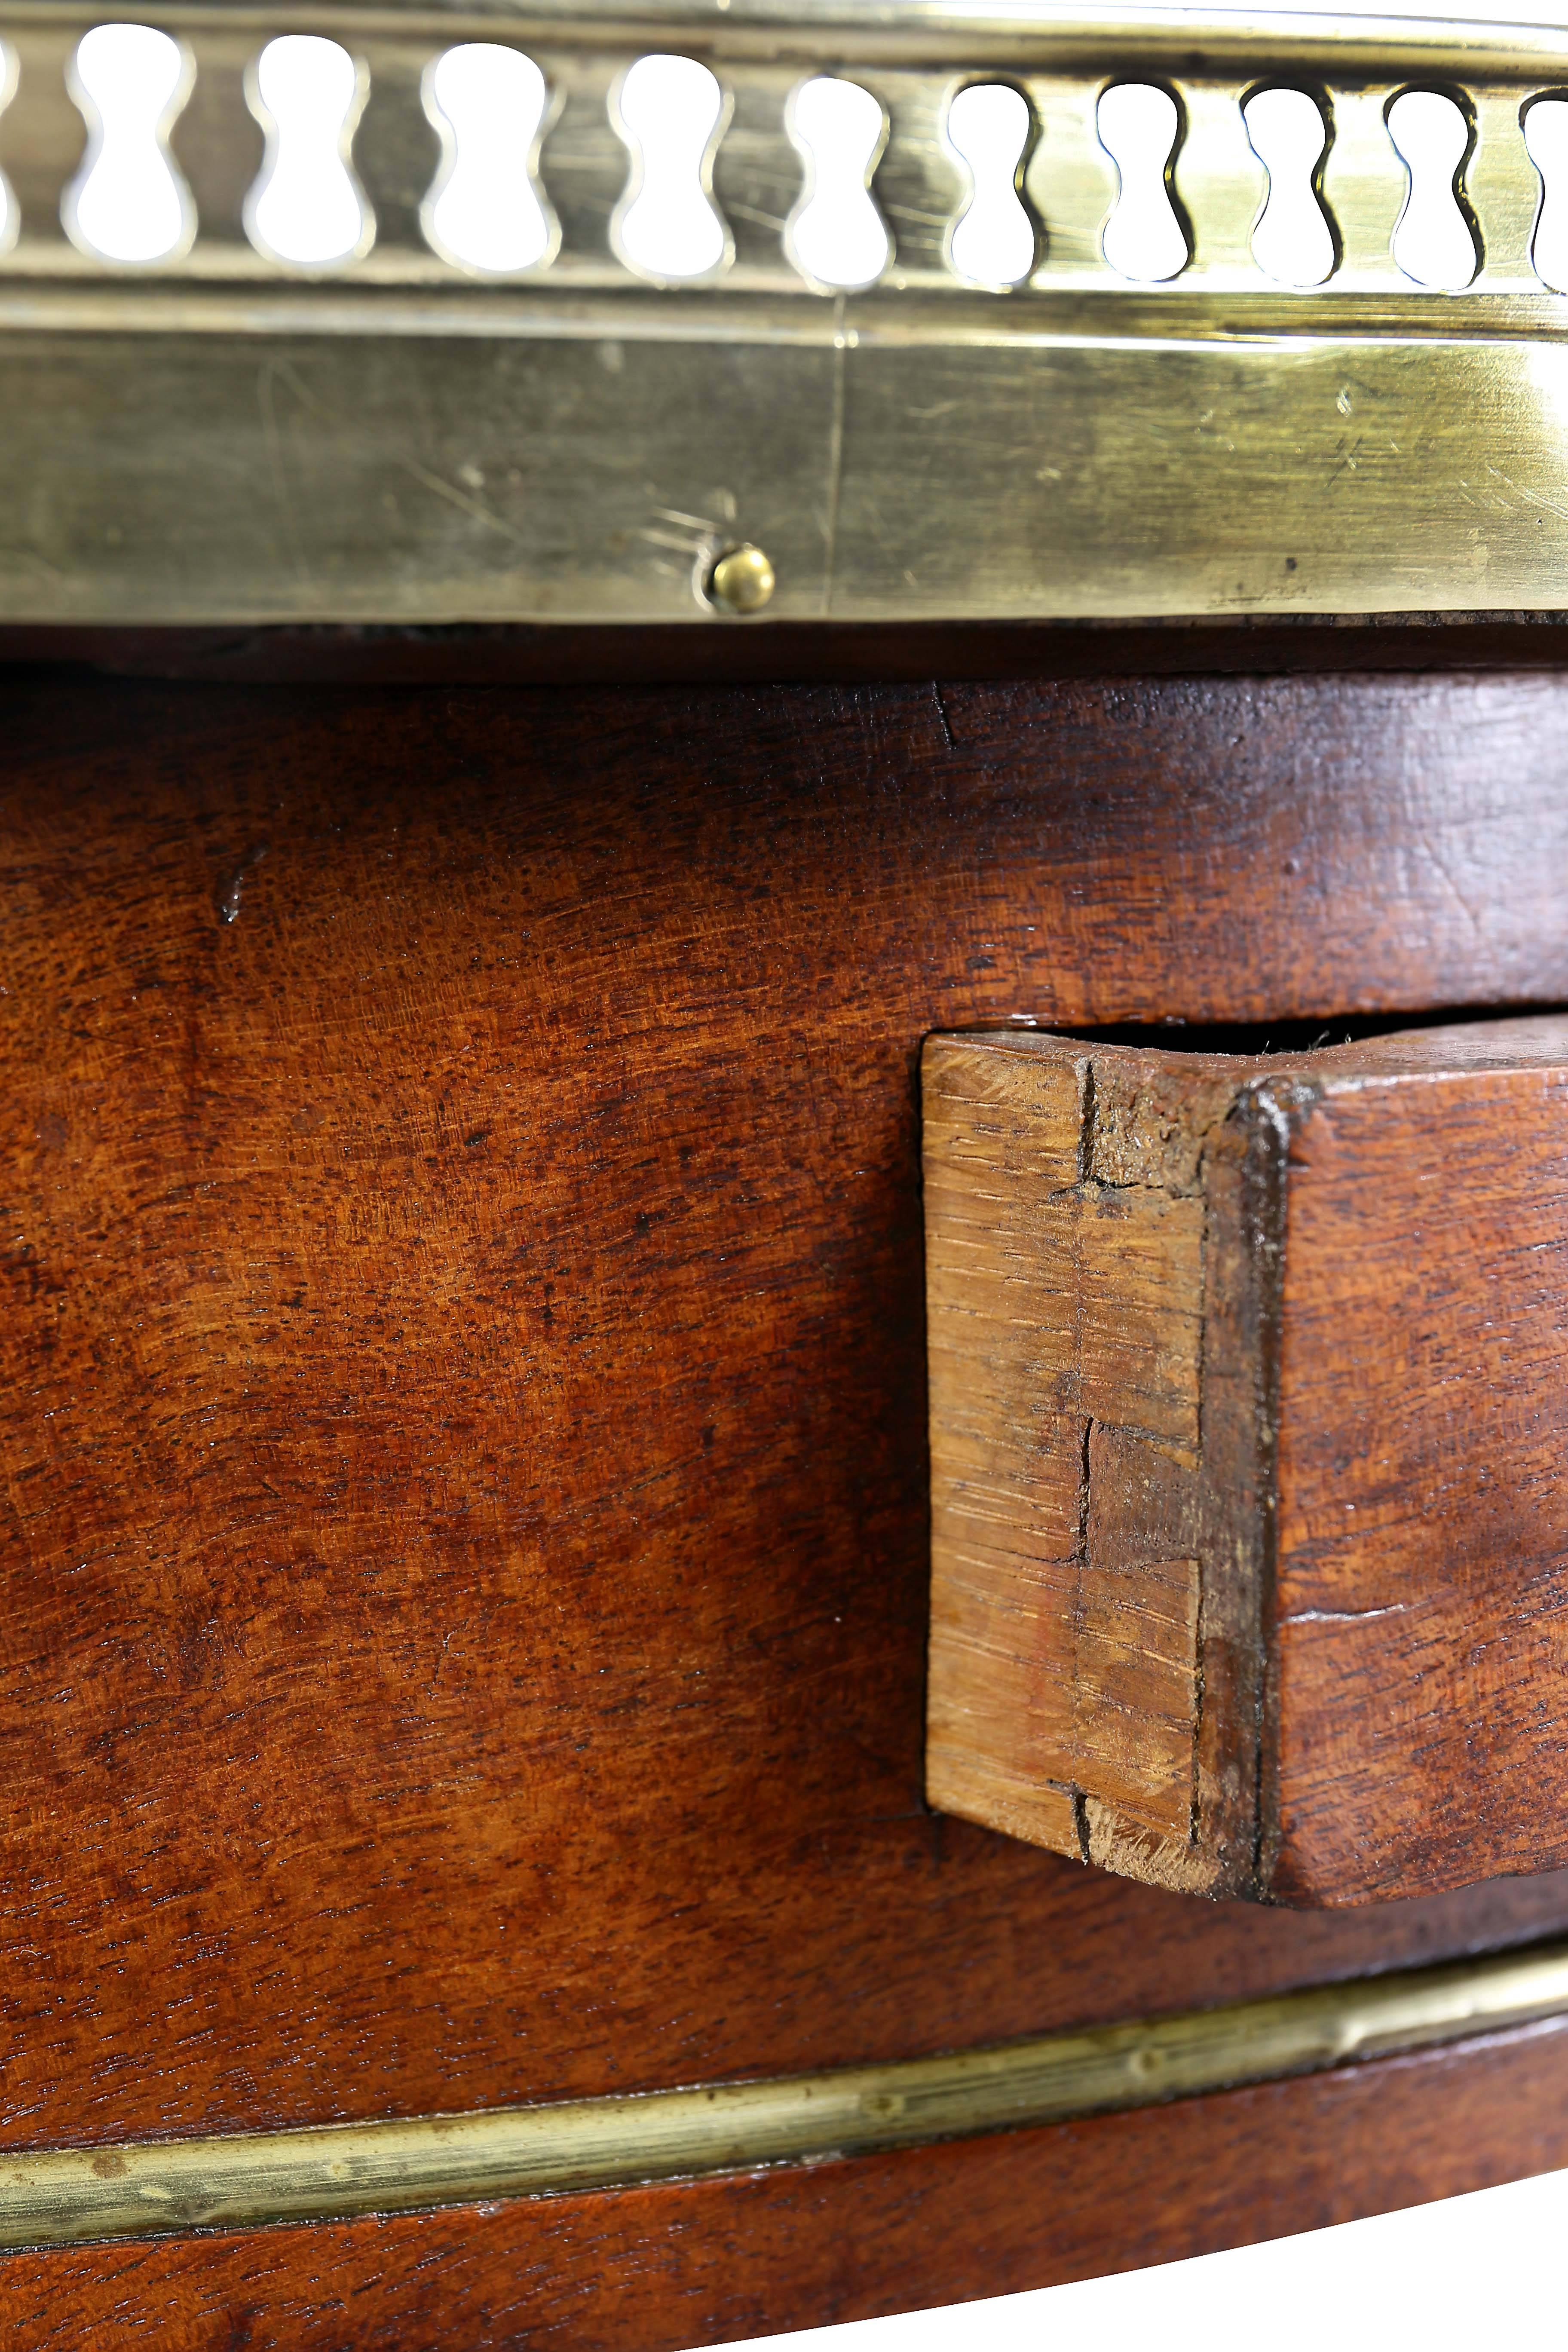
(787, 1158)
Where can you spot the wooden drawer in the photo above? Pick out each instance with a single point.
(1248, 1421)
(464, 1426)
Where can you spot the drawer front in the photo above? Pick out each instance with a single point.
(1250, 1532)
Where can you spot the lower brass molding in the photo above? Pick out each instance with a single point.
(332, 2172)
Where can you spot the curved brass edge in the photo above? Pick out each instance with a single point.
(1044, 319)
(923, 31)
(333, 2172)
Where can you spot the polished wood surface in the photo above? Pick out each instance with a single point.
(464, 1400)
(1423, 1539)
(711, 2262)
(1245, 1396)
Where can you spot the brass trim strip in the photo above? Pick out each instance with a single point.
(923, 31)
(68, 2196)
(1164, 322)
(405, 442)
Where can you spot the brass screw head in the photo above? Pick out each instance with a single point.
(742, 579)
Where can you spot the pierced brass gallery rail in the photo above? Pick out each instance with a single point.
(1105, 429)
(759, 160)
(67, 2196)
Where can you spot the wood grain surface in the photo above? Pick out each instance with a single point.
(1247, 1406)
(1092, 1328)
(1421, 1656)
(717, 2261)
(463, 1407)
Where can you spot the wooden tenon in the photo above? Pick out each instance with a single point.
(1247, 1419)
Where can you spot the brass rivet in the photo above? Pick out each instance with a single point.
(742, 579)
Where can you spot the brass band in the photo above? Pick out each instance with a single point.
(66, 2196)
(404, 440)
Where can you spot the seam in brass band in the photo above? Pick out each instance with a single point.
(334, 2171)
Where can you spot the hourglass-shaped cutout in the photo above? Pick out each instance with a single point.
(1433, 243)
(1292, 240)
(10, 213)
(836, 235)
(128, 203)
(1546, 142)
(1139, 126)
(670, 111)
(307, 208)
(994, 238)
(485, 211)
